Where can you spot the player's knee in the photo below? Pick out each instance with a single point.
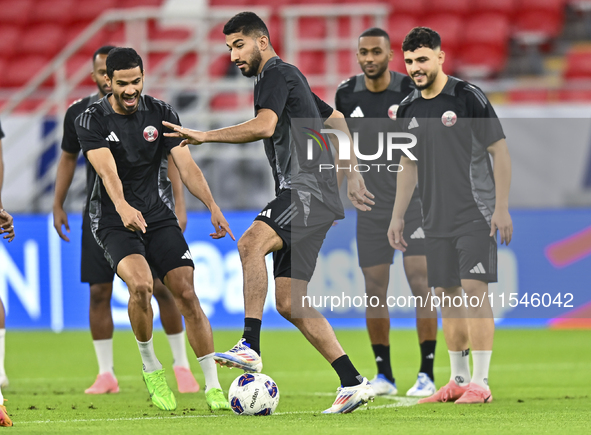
(284, 307)
(418, 283)
(248, 246)
(100, 294)
(140, 290)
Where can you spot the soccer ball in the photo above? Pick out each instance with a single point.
(253, 394)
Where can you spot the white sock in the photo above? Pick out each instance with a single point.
(460, 367)
(104, 355)
(151, 363)
(179, 350)
(2, 336)
(210, 371)
(481, 363)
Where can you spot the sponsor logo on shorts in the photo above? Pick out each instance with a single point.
(418, 234)
(266, 213)
(150, 133)
(479, 268)
(449, 118)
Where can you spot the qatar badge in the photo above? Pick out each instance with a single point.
(150, 133)
(392, 111)
(449, 118)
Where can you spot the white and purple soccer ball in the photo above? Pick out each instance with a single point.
(253, 394)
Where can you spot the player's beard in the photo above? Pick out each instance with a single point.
(381, 69)
(126, 108)
(430, 79)
(253, 63)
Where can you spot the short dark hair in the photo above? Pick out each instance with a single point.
(421, 37)
(105, 49)
(376, 31)
(123, 58)
(247, 23)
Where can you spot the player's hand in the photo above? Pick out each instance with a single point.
(501, 220)
(132, 219)
(60, 218)
(6, 225)
(193, 137)
(220, 224)
(357, 193)
(395, 234)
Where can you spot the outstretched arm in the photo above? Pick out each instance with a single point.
(406, 182)
(260, 127)
(104, 164)
(501, 219)
(179, 196)
(197, 184)
(65, 173)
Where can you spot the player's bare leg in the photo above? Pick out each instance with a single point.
(136, 273)
(481, 329)
(377, 319)
(180, 283)
(172, 323)
(355, 389)
(415, 268)
(3, 378)
(101, 329)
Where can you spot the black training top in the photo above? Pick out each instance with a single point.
(282, 88)
(1, 132)
(141, 153)
(453, 132)
(370, 113)
(70, 141)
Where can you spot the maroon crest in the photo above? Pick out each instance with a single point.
(150, 133)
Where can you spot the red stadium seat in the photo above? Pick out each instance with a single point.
(578, 64)
(88, 10)
(156, 31)
(21, 69)
(186, 64)
(398, 27)
(324, 94)
(456, 7)
(15, 12)
(504, 7)
(139, 3)
(311, 62)
(529, 96)
(224, 102)
(449, 27)
(311, 27)
(46, 39)
(488, 29)
(575, 95)
(536, 27)
(480, 61)
(77, 62)
(9, 37)
(53, 11)
(347, 63)
(415, 8)
(3, 68)
(229, 2)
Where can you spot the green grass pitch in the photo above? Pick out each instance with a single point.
(540, 379)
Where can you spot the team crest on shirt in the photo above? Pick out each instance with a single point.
(392, 111)
(449, 118)
(150, 133)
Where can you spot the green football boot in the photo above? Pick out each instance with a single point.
(160, 393)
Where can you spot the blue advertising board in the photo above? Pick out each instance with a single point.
(550, 256)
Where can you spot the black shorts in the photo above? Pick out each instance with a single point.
(94, 267)
(373, 247)
(472, 255)
(163, 245)
(302, 230)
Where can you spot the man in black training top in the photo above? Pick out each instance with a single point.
(464, 202)
(294, 224)
(132, 214)
(96, 270)
(369, 101)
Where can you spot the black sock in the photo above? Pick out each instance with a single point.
(382, 354)
(252, 333)
(347, 372)
(427, 357)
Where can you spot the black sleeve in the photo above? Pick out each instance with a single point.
(171, 116)
(1, 132)
(325, 109)
(70, 142)
(486, 126)
(90, 132)
(272, 92)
